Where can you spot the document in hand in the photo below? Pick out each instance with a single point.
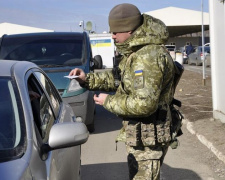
(71, 77)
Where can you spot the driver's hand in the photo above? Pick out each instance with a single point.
(33, 95)
(78, 72)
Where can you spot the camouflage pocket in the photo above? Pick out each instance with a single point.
(132, 130)
(163, 132)
(148, 134)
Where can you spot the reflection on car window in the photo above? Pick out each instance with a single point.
(51, 93)
(46, 116)
(42, 111)
(10, 129)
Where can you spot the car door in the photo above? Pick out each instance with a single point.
(49, 109)
(199, 56)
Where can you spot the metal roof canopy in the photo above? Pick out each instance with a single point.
(9, 28)
(181, 21)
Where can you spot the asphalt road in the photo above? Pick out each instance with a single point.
(101, 161)
(198, 69)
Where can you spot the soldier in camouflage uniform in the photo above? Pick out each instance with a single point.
(145, 90)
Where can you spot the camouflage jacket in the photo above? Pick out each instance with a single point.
(147, 73)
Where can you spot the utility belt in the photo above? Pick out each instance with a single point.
(156, 129)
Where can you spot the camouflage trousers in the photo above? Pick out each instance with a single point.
(144, 162)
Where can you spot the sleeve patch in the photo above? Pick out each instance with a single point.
(138, 79)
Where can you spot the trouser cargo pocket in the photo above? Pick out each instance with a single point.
(132, 129)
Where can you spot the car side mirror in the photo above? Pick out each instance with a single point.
(71, 134)
(97, 62)
(66, 134)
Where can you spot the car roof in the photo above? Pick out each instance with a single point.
(43, 34)
(7, 67)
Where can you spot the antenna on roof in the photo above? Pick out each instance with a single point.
(89, 26)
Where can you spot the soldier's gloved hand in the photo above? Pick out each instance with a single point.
(100, 99)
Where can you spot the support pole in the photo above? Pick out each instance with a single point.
(203, 51)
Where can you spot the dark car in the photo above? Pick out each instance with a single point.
(39, 135)
(57, 53)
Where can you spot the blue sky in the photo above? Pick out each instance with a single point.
(65, 15)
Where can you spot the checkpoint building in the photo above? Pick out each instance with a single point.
(184, 25)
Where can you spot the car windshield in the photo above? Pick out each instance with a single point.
(53, 51)
(10, 129)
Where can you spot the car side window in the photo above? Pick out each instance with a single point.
(42, 109)
(54, 97)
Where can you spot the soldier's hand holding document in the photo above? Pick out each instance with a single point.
(71, 77)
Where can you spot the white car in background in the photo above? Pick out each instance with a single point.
(196, 56)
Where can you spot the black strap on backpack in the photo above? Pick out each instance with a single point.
(175, 113)
(179, 69)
